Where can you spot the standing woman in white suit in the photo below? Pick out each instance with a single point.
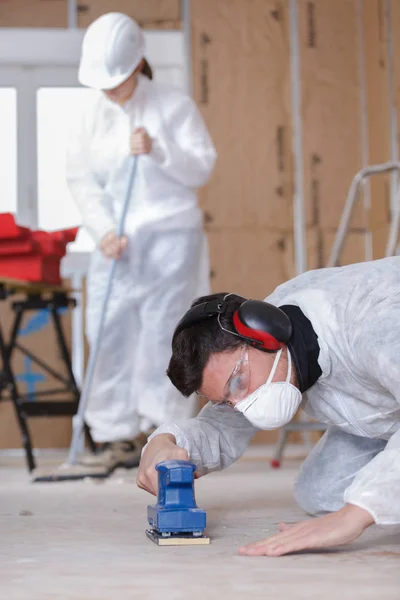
(163, 261)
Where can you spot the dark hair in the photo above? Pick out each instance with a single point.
(192, 347)
(146, 69)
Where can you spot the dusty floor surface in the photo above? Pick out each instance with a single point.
(86, 541)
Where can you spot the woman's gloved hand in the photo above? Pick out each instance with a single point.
(141, 142)
(112, 246)
(161, 447)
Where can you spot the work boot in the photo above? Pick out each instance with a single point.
(125, 454)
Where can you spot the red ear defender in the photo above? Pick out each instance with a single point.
(263, 324)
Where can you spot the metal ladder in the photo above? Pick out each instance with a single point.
(351, 201)
(353, 196)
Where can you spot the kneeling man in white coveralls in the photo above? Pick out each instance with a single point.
(328, 341)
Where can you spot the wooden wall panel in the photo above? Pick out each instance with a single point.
(380, 237)
(241, 74)
(319, 244)
(395, 33)
(33, 13)
(248, 262)
(331, 103)
(53, 432)
(378, 106)
(150, 14)
(353, 248)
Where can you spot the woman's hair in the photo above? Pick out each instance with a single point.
(146, 69)
(192, 347)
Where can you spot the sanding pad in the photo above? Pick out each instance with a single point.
(182, 539)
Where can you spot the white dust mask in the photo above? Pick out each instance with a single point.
(272, 405)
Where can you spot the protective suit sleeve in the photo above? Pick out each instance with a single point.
(87, 192)
(214, 439)
(376, 487)
(184, 150)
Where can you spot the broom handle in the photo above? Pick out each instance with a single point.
(78, 421)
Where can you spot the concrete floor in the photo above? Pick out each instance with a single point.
(86, 540)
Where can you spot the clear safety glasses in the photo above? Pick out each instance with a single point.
(238, 384)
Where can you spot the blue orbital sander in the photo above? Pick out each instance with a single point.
(176, 519)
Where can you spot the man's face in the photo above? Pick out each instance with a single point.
(220, 367)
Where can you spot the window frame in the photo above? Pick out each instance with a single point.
(13, 86)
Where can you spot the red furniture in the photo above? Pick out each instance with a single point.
(32, 255)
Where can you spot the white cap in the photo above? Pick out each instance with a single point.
(112, 48)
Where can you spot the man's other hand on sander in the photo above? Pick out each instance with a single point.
(160, 448)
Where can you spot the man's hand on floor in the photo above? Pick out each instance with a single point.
(335, 529)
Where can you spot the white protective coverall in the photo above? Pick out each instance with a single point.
(166, 264)
(355, 311)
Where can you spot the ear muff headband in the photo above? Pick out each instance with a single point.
(265, 326)
(199, 313)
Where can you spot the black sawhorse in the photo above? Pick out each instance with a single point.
(38, 297)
